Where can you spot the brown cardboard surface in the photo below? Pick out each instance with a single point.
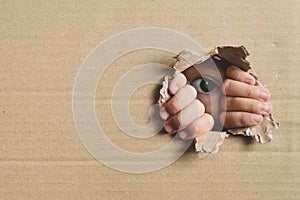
(42, 47)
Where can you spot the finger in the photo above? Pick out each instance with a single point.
(177, 82)
(246, 105)
(200, 126)
(239, 89)
(239, 119)
(238, 74)
(185, 117)
(180, 100)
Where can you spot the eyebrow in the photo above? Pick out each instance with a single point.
(203, 71)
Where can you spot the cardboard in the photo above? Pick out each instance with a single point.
(234, 55)
(209, 142)
(262, 133)
(42, 47)
(225, 56)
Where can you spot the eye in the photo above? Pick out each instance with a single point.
(204, 85)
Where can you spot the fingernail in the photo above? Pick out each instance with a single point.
(264, 96)
(248, 81)
(267, 107)
(257, 118)
(163, 113)
(174, 89)
(168, 128)
(183, 135)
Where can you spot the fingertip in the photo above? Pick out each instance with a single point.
(192, 90)
(163, 113)
(168, 128)
(238, 74)
(177, 82)
(173, 89)
(182, 78)
(257, 119)
(267, 108)
(200, 126)
(230, 69)
(211, 120)
(250, 80)
(183, 135)
(265, 95)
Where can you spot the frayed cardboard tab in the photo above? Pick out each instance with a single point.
(262, 133)
(209, 142)
(235, 55)
(164, 95)
(184, 60)
(187, 58)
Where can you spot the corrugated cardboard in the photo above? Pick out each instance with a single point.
(42, 47)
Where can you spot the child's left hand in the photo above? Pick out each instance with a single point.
(245, 103)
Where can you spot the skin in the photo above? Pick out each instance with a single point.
(233, 101)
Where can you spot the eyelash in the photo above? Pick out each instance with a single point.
(204, 85)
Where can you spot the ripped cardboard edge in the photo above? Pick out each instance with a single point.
(211, 141)
(262, 133)
(184, 60)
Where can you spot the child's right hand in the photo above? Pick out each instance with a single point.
(183, 112)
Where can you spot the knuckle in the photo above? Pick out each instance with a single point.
(254, 107)
(249, 91)
(226, 85)
(243, 119)
(260, 107)
(231, 71)
(229, 103)
(224, 103)
(176, 121)
(240, 76)
(172, 106)
(249, 105)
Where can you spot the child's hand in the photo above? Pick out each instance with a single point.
(183, 112)
(244, 103)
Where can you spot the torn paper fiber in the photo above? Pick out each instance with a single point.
(230, 55)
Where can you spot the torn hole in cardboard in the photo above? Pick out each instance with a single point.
(211, 141)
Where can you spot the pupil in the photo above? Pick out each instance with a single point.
(204, 85)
